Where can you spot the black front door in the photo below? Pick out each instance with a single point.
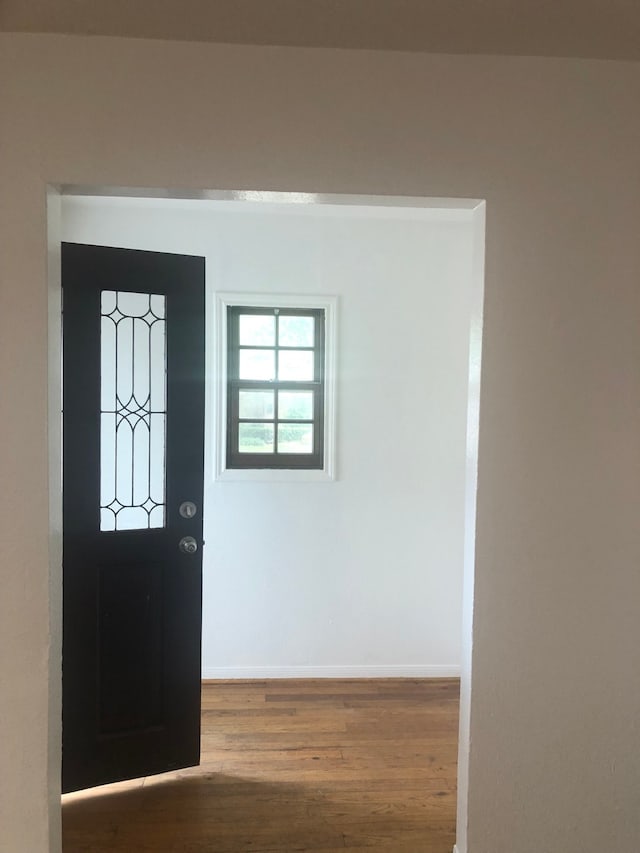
(133, 426)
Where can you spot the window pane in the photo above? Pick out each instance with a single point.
(133, 417)
(256, 404)
(255, 438)
(257, 330)
(295, 405)
(295, 332)
(295, 365)
(257, 364)
(295, 438)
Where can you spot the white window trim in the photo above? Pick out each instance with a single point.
(224, 300)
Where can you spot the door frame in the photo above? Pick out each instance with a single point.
(54, 287)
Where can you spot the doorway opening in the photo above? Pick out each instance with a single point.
(346, 573)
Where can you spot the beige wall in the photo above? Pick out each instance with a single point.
(553, 147)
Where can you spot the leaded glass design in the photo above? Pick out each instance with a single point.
(133, 356)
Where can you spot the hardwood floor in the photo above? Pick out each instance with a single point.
(326, 765)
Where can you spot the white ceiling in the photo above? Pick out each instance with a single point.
(605, 29)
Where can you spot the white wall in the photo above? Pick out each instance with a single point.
(363, 575)
(552, 145)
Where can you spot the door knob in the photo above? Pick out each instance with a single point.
(188, 545)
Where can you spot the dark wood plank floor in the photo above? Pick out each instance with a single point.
(366, 765)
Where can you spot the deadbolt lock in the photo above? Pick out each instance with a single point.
(187, 509)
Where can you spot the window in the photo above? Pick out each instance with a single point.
(275, 387)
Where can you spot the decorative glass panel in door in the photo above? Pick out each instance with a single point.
(133, 363)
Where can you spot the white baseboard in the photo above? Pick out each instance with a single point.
(391, 671)
(456, 849)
